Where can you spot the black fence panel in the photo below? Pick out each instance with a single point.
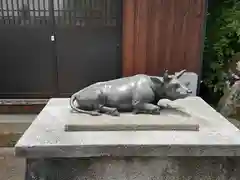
(88, 34)
(27, 63)
(55, 47)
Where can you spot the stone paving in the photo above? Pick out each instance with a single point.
(11, 127)
(11, 168)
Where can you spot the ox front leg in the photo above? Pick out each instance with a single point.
(142, 97)
(164, 103)
(145, 108)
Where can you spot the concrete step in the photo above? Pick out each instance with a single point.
(15, 123)
(21, 109)
(18, 106)
(9, 139)
(12, 128)
(23, 101)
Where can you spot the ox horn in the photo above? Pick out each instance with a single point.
(179, 74)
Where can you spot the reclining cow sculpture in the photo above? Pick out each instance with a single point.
(138, 94)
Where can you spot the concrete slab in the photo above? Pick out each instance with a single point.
(167, 120)
(46, 136)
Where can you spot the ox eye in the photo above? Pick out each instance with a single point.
(176, 85)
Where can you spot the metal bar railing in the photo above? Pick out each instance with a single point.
(7, 10)
(2, 10)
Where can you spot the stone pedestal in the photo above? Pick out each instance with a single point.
(53, 153)
(135, 168)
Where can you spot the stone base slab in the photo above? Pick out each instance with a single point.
(167, 120)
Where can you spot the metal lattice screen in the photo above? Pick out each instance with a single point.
(24, 12)
(85, 12)
(65, 12)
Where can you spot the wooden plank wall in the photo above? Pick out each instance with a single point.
(162, 34)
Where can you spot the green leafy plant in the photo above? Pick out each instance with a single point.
(222, 41)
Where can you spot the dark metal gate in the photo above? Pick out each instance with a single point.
(55, 47)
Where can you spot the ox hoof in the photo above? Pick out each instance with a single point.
(135, 111)
(96, 113)
(164, 103)
(114, 113)
(156, 112)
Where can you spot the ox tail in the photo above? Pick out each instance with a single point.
(72, 99)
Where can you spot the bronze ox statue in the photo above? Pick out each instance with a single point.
(138, 94)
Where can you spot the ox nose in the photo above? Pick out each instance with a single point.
(189, 91)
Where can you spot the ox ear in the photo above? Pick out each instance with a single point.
(165, 74)
(156, 80)
(179, 74)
